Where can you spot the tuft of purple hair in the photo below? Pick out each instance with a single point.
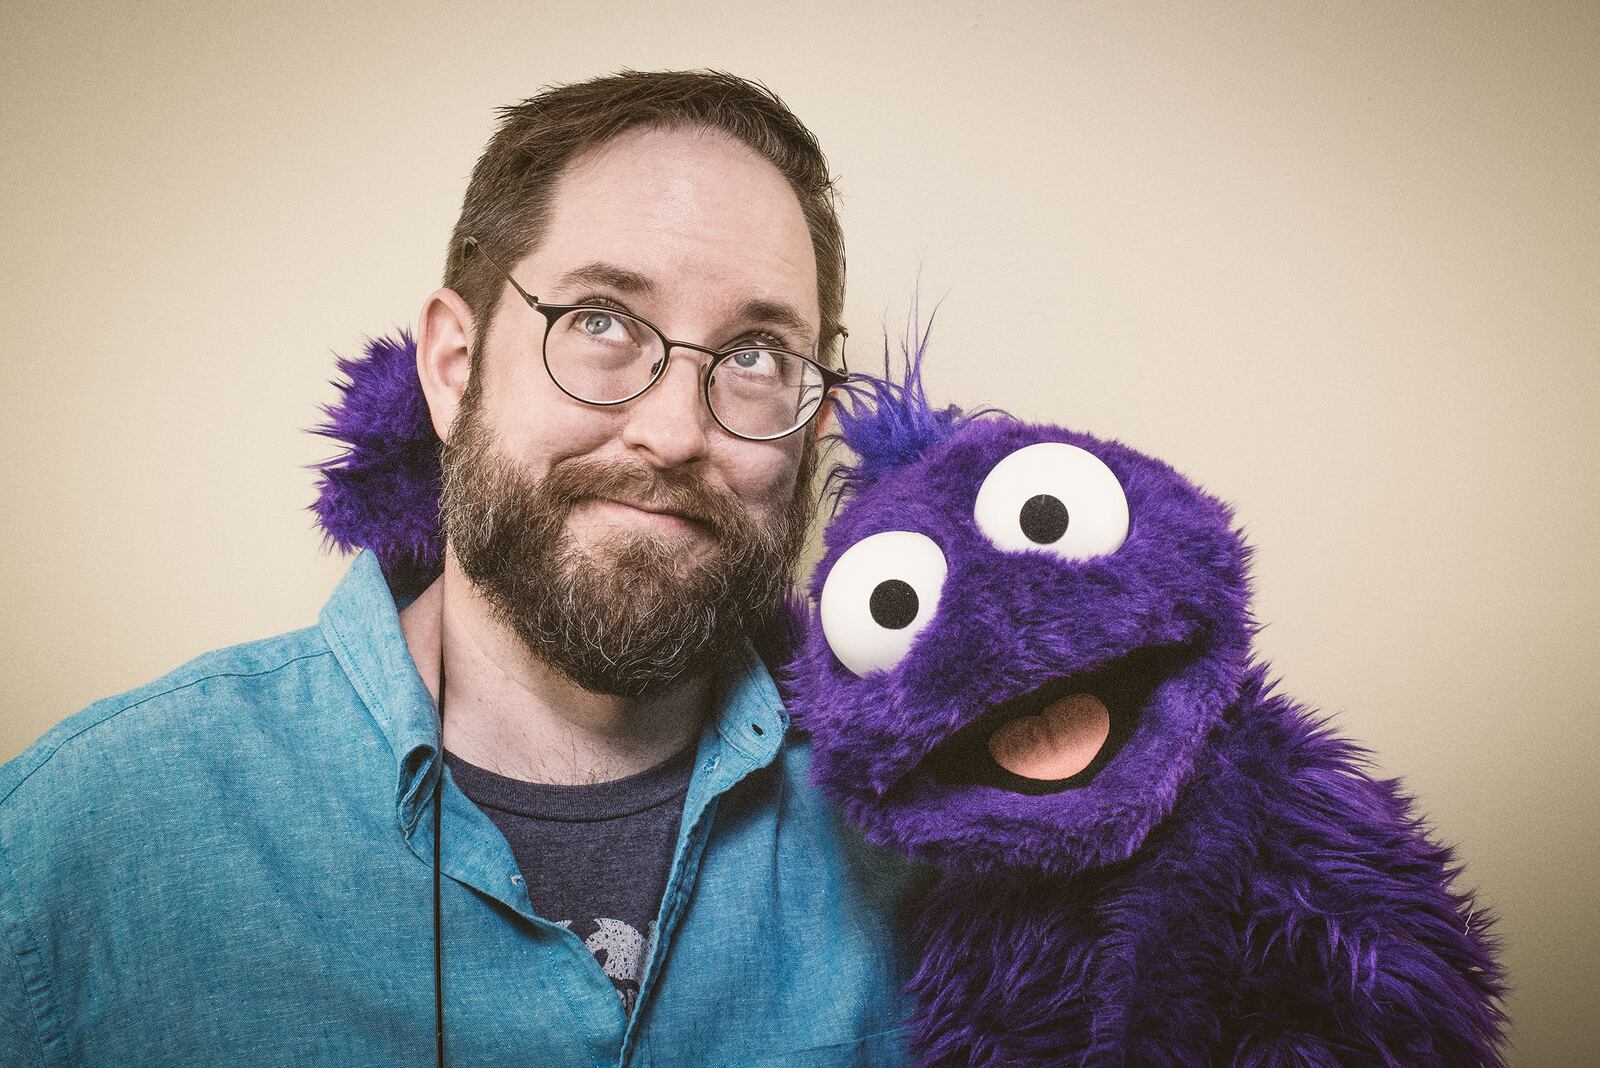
(889, 423)
(382, 491)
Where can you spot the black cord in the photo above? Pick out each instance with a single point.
(438, 926)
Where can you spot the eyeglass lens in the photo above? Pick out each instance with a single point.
(604, 356)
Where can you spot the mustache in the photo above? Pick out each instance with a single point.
(577, 477)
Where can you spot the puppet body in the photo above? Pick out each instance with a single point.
(1032, 669)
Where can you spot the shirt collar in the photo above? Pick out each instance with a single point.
(749, 714)
(362, 626)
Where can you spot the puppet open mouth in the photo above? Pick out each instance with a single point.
(1058, 736)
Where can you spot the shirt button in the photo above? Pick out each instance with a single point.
(516, 878)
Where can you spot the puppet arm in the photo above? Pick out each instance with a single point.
(1355, 949)
(1335, 994)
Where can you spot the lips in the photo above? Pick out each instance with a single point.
(1057, 737)
(687, 517)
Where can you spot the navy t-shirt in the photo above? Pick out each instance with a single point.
(595, 857)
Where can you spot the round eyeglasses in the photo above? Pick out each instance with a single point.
(602, 355)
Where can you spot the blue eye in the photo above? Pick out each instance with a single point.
(596, 323)
(754, 361)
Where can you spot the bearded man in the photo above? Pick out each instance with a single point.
(544, 810)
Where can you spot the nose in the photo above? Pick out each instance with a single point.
(669, 425)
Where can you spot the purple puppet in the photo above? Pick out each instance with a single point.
(1031, 668)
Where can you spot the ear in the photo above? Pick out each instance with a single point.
(826, 421)
(444, 356)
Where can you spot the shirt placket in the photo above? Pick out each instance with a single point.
(476, 855)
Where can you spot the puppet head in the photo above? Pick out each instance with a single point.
(1025, 635)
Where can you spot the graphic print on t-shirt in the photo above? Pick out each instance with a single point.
(594, 858)
(621, 950)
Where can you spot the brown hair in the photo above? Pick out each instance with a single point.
(507, 205)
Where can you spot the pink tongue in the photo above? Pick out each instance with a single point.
(1055, 743)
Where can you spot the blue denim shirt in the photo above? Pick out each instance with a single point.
(232, 865)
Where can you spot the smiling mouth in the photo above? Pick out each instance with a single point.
(1057, 737)
(657, 515)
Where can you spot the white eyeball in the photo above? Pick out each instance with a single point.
(1055, 497)
(879, 596)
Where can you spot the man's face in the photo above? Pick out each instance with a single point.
(632, 545)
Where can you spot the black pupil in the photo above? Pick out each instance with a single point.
(1044, 519)
(893, 605)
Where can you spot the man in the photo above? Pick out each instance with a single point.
(236, 863)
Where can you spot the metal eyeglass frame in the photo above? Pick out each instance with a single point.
(553, 312)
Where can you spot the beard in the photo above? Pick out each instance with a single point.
(630, 614)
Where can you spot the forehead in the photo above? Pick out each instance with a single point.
(700, 215)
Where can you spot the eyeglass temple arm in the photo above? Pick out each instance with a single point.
(842, 375)
(469, 245)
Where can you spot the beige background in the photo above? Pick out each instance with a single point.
(1338, 262)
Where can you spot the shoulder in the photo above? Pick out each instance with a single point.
(1291, 796)
(198, 705)
(1303, 775)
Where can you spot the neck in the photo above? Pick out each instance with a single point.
(514, 714)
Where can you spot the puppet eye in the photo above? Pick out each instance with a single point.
(880, 594)
(1055, 497)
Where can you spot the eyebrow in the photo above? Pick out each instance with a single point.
(776, 314)
(756, 310)
(609, 275)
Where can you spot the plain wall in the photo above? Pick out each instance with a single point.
(1337, 262)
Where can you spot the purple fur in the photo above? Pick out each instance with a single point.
(382, 492)
(1231, 887)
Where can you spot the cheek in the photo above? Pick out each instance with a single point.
(538, 424)
(762, 475)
